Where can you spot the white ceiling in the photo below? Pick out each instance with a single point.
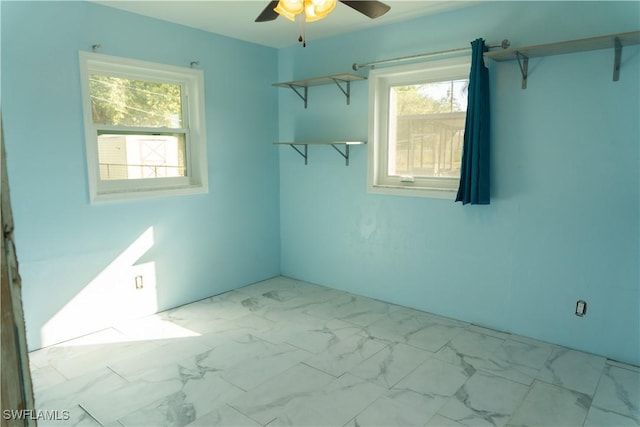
(236, 18)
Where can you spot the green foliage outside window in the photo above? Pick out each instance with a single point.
(135, 103)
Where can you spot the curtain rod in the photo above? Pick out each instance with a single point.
(504, 45)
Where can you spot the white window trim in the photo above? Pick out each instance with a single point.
(379, 82)
(192, 81)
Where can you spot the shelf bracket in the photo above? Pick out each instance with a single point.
(347, 92)
(616, 61)
(302, 153)
(303, 97)
(345, 154)
(524, 68)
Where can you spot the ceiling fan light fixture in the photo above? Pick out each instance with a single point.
(290, 8)
(315, 10)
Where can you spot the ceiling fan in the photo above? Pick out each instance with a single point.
(314, 10)
(373, 9)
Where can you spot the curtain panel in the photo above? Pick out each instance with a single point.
(474, 174)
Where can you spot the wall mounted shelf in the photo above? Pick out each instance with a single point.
(335, 144)
(612, 41)
(343, 81)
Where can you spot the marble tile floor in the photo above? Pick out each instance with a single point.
(287, 352)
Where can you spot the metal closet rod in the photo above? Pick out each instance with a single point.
(504, 45)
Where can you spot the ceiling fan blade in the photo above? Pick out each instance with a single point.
(373, 9)
(268, 14)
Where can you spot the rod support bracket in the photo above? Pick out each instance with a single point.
(616, 60)
(524, 68)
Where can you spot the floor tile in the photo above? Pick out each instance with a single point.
(278, 299)
(573, 370)
(391, 364)
(126, 399)
(247, 361)
(133, 367)
(309, 333)
(619, 391)
(223, 416)
(202, 316)
(345, 354)
(333, 405)
(484, 400)
(230, 352)
(435, 378)
(511, 359)
(516, 361)
(76, 366)
(275, 359)
(181, 371)
(221, 331)
(527, 353)
(400, 407)
(357, 310)
(67, 394)
(154, 328)
(196, 399)
(440, 421)
(170, 411)
(46, 377)
(273, 398)
(550, 405)
(420, 331)
(89, 353)
(601, 417)
(319, 336)
(469, 348)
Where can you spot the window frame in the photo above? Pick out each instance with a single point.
(380, 82)
(193, 127)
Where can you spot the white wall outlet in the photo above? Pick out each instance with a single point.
(581, 308)
(139, 284)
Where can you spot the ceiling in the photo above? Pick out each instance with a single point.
(236, 18)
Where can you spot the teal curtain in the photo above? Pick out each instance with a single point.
(474, 174)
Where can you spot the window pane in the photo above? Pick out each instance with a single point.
(141, 156)
(426, 129)
(126, 102)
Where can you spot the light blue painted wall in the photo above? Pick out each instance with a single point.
(203, 244)
(564, 220)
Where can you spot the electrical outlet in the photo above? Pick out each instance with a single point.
(581, 308)
(139, 284)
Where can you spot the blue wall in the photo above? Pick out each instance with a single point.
(69, 249)
(564, 220)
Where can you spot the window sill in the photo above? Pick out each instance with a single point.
(399, 190)
(148, 194)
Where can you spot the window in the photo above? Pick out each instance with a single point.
(145, 130)
(417, 117)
